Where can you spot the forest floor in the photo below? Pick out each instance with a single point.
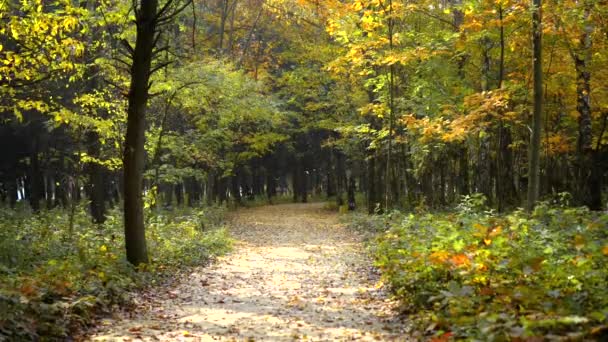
(296, 273)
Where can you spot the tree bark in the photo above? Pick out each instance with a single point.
(35, 178)
(589, 177)
(235, 188)
(534, 162)
(96, 180)
(135, 237)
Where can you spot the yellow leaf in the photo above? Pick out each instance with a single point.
(482, 267)
(579, 242)
(605, 250)
(439, 257)
(487, 241)
(103, 248)
(496, 231)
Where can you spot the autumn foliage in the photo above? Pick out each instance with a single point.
(480, 275)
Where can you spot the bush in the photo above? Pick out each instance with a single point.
(55, 278)
(474, 274)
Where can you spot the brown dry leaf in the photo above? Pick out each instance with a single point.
(297, 273)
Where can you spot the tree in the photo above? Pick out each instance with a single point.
(149, 19)
(534, 162)
(133, 160)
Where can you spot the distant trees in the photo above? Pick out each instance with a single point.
(463, 98)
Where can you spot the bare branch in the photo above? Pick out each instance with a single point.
(436, 17)
(162, 11)
(125, 63)
(160, 66)
(122, 90)
(160, 50)
(162, 20)
(125, 43)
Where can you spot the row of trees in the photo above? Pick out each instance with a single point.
(412, 103)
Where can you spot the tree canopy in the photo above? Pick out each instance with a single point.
(386, 104)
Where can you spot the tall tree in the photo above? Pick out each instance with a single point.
(133, 159)
(534, 162)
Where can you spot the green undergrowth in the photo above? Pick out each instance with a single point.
(54, 279)
(473, 274)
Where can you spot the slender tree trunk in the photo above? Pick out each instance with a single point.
(391, 118)
(589, 176)
(339, 176)
(271, 184)
(178, 188)
(12, 186)
(96, 182)
(222, 189)
(303, 180)
(484, 175)
(49, 186)
(534, 162)
(505, 188)
(135, 237)
(231, 33)
(235, 188)
(210, 189)
(35, 179)
(501, 64)
(296, 181)
(304, 186)
(442, 180)
(223, 17)
(352, 205)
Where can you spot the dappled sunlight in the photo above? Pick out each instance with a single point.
(304, 278)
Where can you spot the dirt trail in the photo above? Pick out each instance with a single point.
(296, 274)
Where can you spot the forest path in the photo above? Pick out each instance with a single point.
(296, 273)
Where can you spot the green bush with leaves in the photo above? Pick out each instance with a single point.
(475, 274)
(57, 272)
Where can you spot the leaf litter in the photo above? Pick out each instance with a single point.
(296, 273)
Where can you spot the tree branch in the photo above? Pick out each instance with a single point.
(160, 66)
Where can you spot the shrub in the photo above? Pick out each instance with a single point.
(480, 275)
(54, 279)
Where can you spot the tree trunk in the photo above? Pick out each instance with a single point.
(35, 178)
(352, 205)
(372, 188)
(135, 236)
(303, 181)
(210, 188)
(506, 192)
(339, 176)
(271, 184)
(12, 186)
(178, 188)
(484, 175)
(235, 188)
(95, 187)
(589, 176)
(534, 162)
(221, 189)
